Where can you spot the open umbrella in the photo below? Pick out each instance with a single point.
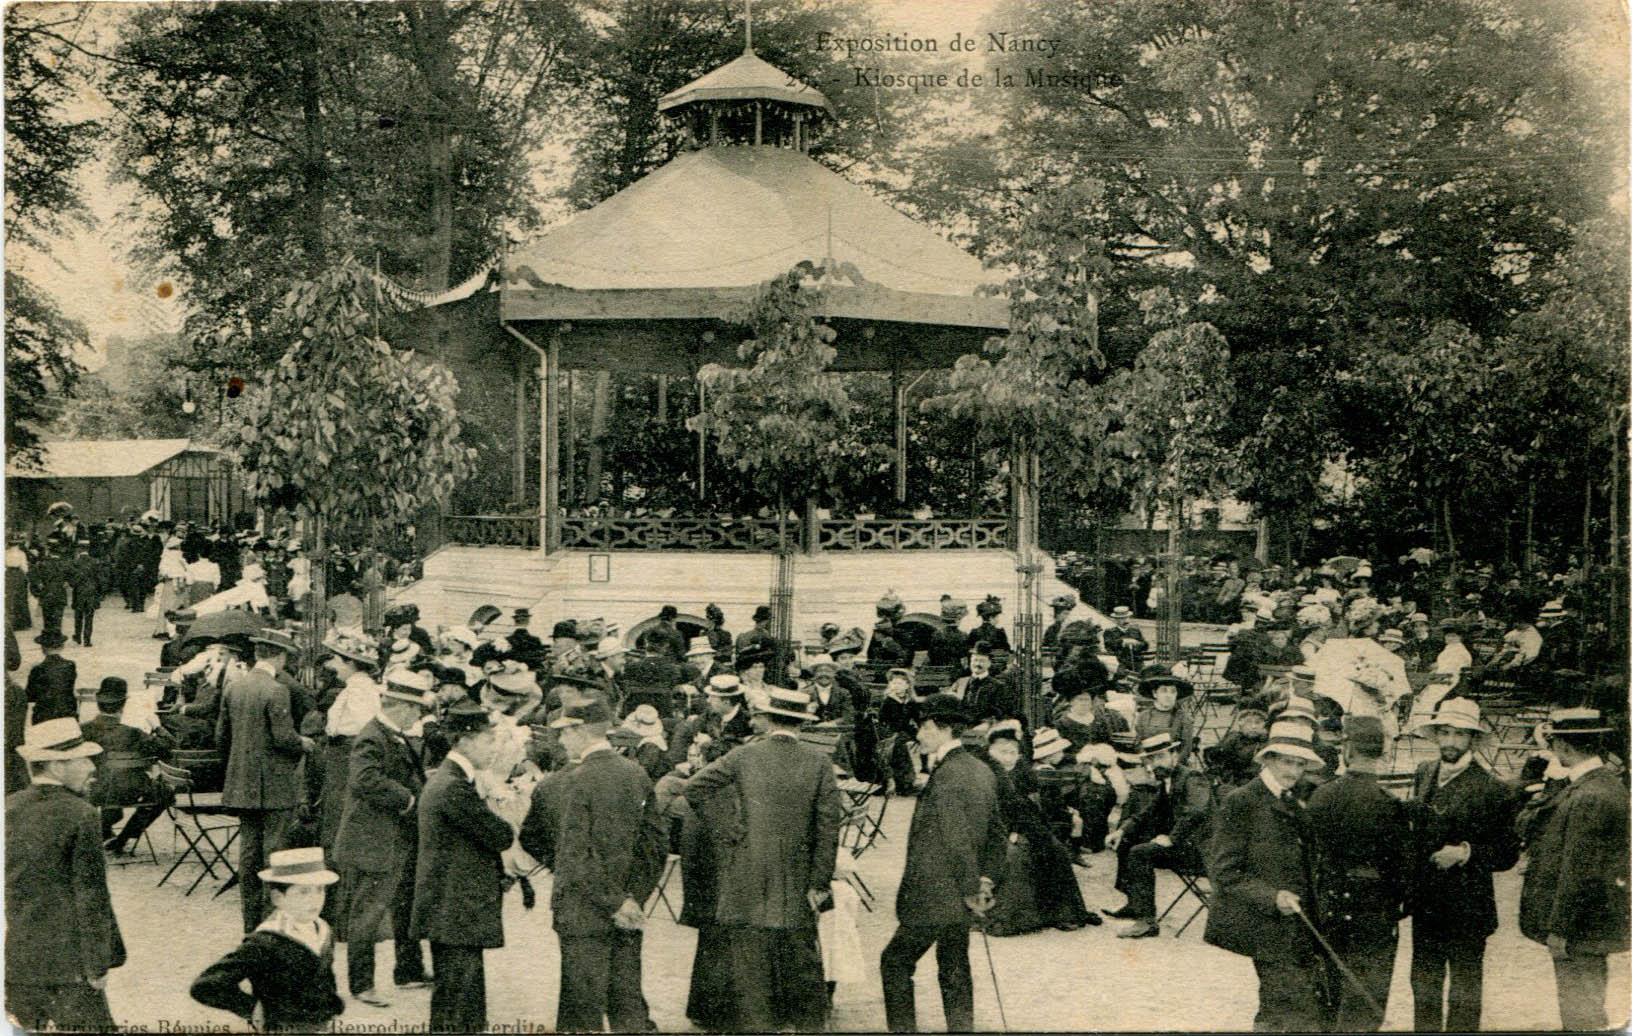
(234, 622)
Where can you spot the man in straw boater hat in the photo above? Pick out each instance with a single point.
(1575, 888)
(1462, 833)
(459, 876)
(377, 842)
(956, 843)
(1361, 837)
(1259, 863)
(777, 878)
(1162, 826)
(288, 960)
(61, 935)
(256, 730)
(596, 826)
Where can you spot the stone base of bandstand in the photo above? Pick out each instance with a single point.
(628, 587)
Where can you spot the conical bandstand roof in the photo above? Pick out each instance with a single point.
(735, 217)
(746, 78)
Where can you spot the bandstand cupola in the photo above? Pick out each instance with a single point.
(748, 101)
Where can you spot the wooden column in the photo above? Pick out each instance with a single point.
(549, 446)
(569, 444)
(518, 468)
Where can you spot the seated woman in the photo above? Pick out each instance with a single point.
(1167, 713)
(1039, 888)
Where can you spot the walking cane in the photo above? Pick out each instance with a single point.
(996, 991)
(1343, 968)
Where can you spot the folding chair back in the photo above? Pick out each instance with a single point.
(671, 866)
(206, 767)
(208, 829)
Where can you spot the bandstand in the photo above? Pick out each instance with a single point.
(658, 279)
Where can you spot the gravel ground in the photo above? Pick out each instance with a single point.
(1050, 981)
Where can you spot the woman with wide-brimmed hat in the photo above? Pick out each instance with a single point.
(1167, 712)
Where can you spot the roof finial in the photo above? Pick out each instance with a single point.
(748, 26)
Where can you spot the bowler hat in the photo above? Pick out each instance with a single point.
(50, 639)
(592, 711)
(275, 638)
(944, 708)
(112, 692)
(466, 717)
(762, 613)
(566, 629)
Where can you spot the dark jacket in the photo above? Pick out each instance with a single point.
(1362, 858)
(295, 986)
(1258, 849)
(48, 578)
(59, 917)
(1180, 809)
(948, 645)
(1576, 884)
(127, 754)
(379, 827)
(51, 689)
(789, 832)
(957, 836)
(459, 878)
(993, 698)
(1476, 808)
(256, 733)
(610, 843)
(88, 578)
(840, 706)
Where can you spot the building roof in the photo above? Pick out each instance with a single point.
(726, 217)
(748, 77)
(101, 458)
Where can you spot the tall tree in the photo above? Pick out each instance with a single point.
(46, 145)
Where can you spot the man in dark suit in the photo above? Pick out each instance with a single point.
(61, 935)
(255, 731)
(87, 578)
(956, 844)
(1362, 873)
(1163, 825)
(122, 768)
(989, 698)
(1463, 827)
(606, 844)
(51, 681)
(1259, 863)
(1575, 889)
(778, 873)
(48, 578)
(459, 880)
(379, 828)
(525, 647)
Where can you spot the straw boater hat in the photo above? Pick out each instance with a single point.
(1552, 610)
(724, 685)
(54, 739)
(612, 647)
(1121, 611)
(463, 635)
(699, 646)
(1391, 636)
(783, 702)
(275, 638)
(415, 685)
(1156, 743)
(1048, 742)
(1581, 721)
(1290, 740)
(1457, 714)
(298, 867)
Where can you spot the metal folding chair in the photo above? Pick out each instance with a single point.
(860, 826)
(1193, 887)
(208, 829)
(671, 867)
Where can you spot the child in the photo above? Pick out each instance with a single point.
(288, 961)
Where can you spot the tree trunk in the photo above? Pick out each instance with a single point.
(314, 160)
(1530, 526)
(432, 35)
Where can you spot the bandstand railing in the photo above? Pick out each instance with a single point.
(748, 535)
(491, 530)
(915, 534)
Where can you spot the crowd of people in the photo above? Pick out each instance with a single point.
(400, 782)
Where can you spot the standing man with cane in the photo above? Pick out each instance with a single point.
(955, 845)
(1259, 863)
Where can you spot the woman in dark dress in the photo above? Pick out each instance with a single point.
(1040, 889)
(711, 1003)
